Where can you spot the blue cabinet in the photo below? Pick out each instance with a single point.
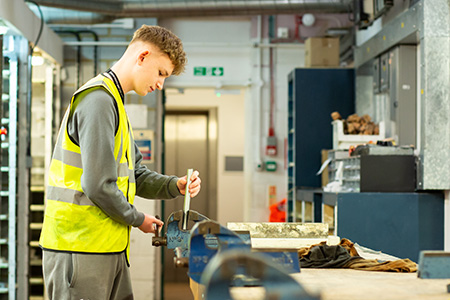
(313, 94)
(399, 224)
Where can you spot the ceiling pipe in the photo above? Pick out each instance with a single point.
(177, 8)
(66, 16)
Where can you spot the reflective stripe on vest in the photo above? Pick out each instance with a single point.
(72, 222)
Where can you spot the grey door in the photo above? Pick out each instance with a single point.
(186, 146)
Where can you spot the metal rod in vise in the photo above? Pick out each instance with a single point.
(187, 199)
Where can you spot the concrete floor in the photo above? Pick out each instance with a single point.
(177, 291)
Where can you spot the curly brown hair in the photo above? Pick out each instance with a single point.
(166, 41)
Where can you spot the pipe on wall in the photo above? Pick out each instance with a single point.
(77, 36)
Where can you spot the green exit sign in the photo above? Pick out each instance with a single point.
(208, 71)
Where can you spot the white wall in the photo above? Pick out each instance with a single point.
(230, 142)
(257, 126)
(229, 42)
(144, 258)
(218, 42)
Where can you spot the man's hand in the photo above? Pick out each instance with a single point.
(194, 187)
(149, 224)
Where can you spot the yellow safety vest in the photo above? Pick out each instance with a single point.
(72, 222)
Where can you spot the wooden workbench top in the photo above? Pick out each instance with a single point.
(334, 284)
(347, 284)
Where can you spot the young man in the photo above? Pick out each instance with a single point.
(96, 171)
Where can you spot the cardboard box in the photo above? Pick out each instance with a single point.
(322, 52)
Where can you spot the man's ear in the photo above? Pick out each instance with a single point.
(143, 55)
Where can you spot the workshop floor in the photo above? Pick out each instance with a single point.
(177, 291)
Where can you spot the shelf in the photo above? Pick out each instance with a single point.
(36, 280)
(5, 121)
(6, 73)
(4, 193)
(37, 188)
(4, 169)
(5, 145)
(38, 81)
(34, 244)
(36, 262)
(36, 226)
(37, 207)
(37, 171)
(4, 265)
(4, 290)
(3, 241)
(3, 217)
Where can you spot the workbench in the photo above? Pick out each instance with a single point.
(335, 284)
(355, 284)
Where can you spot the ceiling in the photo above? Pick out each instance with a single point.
(89, 11)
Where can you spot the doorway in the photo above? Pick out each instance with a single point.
(189, 143)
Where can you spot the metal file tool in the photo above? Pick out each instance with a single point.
(187, 199)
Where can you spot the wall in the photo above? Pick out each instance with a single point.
(257, 127)
(241, 46)
(230, 142)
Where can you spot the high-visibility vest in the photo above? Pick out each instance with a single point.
(72, 222)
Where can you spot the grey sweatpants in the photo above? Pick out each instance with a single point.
(75, 276)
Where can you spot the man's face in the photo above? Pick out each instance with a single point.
(154, 67)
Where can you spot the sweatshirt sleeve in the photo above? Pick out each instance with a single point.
(152, 185)
(93, 126)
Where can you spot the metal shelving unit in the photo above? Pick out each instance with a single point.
(8, 154)
(313, 94)
(45, 96)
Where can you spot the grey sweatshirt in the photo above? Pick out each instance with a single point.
(93, 126)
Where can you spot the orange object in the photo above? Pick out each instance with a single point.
(278, 211)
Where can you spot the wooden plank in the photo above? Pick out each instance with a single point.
(282, 230)
(291, 243)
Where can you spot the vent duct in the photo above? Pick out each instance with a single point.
(113, 9)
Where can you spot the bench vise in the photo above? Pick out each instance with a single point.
(175, 237)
